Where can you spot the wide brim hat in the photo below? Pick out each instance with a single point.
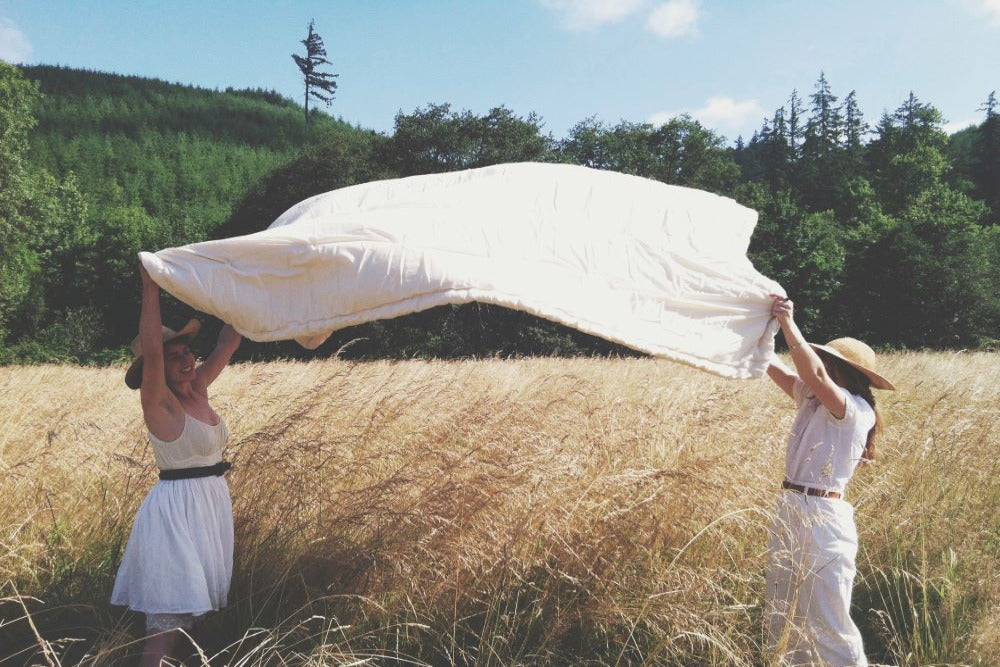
(133, 376)
(858, 355)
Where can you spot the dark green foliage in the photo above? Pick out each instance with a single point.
(120, 164)
(269, 96)
(893, 240)
(876, 240)
(985, 171)
(679, 152)
(772, 152)
(933, 279)
(472, 330)
(907, 156)
(803, 251)
(18, 265)
(41, 217)
(340, 157)
(437, 139)
(80, 103)
(429, 140)
(823, 159)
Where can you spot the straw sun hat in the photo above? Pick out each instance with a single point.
(133, 376)
(858, 355)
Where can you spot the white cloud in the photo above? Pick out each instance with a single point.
(675, 18)
(14, 46)
(722, 114)
(958, 125)
(726, 112)
(988, 8)
(587, 14)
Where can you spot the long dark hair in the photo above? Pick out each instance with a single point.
(856, 382)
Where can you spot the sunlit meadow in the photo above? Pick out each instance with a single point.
(499, 512)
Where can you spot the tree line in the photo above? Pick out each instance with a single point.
(886, 232)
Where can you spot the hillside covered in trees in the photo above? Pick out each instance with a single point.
(886, 231)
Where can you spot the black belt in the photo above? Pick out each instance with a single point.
(809, 491)
(199, 471)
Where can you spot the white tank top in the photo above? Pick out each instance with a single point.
(199, 444)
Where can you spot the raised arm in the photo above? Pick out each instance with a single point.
(159, 406)
(225, 347)
(782, 375)
(808, 365)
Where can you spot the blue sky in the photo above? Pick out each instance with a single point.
(728, 63)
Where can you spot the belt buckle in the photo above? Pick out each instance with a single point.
(809, 490)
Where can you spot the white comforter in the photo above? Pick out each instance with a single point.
(658, 268)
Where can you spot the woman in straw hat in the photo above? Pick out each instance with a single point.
(179, 557)
(814, 540)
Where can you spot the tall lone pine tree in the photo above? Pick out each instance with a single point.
(320, 85)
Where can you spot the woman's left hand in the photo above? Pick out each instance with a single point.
(782, 308)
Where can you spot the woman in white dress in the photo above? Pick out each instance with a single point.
(179, 557)
(814, 540)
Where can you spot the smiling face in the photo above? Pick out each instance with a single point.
(178, 363)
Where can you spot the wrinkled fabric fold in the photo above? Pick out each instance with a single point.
(658, 268)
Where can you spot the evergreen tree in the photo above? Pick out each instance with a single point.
(780, 154)
(986, 165)
(769, 157)
(908, 155)
(825, 124)
(796, 133)
(851, 194)
(750, 158)
(855, 127)
(821, 169)
(318, 84)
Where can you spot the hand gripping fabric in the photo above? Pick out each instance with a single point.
(658, 268)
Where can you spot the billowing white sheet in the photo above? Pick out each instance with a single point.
(658, 268)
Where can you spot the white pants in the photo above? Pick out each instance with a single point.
(810, 574)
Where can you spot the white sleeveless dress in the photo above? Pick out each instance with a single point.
(179, 556)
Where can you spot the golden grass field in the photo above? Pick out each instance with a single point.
(500, 512)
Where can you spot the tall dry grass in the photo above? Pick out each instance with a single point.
(544, 511)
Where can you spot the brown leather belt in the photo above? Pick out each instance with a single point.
(809, 491)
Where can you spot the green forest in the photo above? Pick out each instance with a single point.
(885, 230)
